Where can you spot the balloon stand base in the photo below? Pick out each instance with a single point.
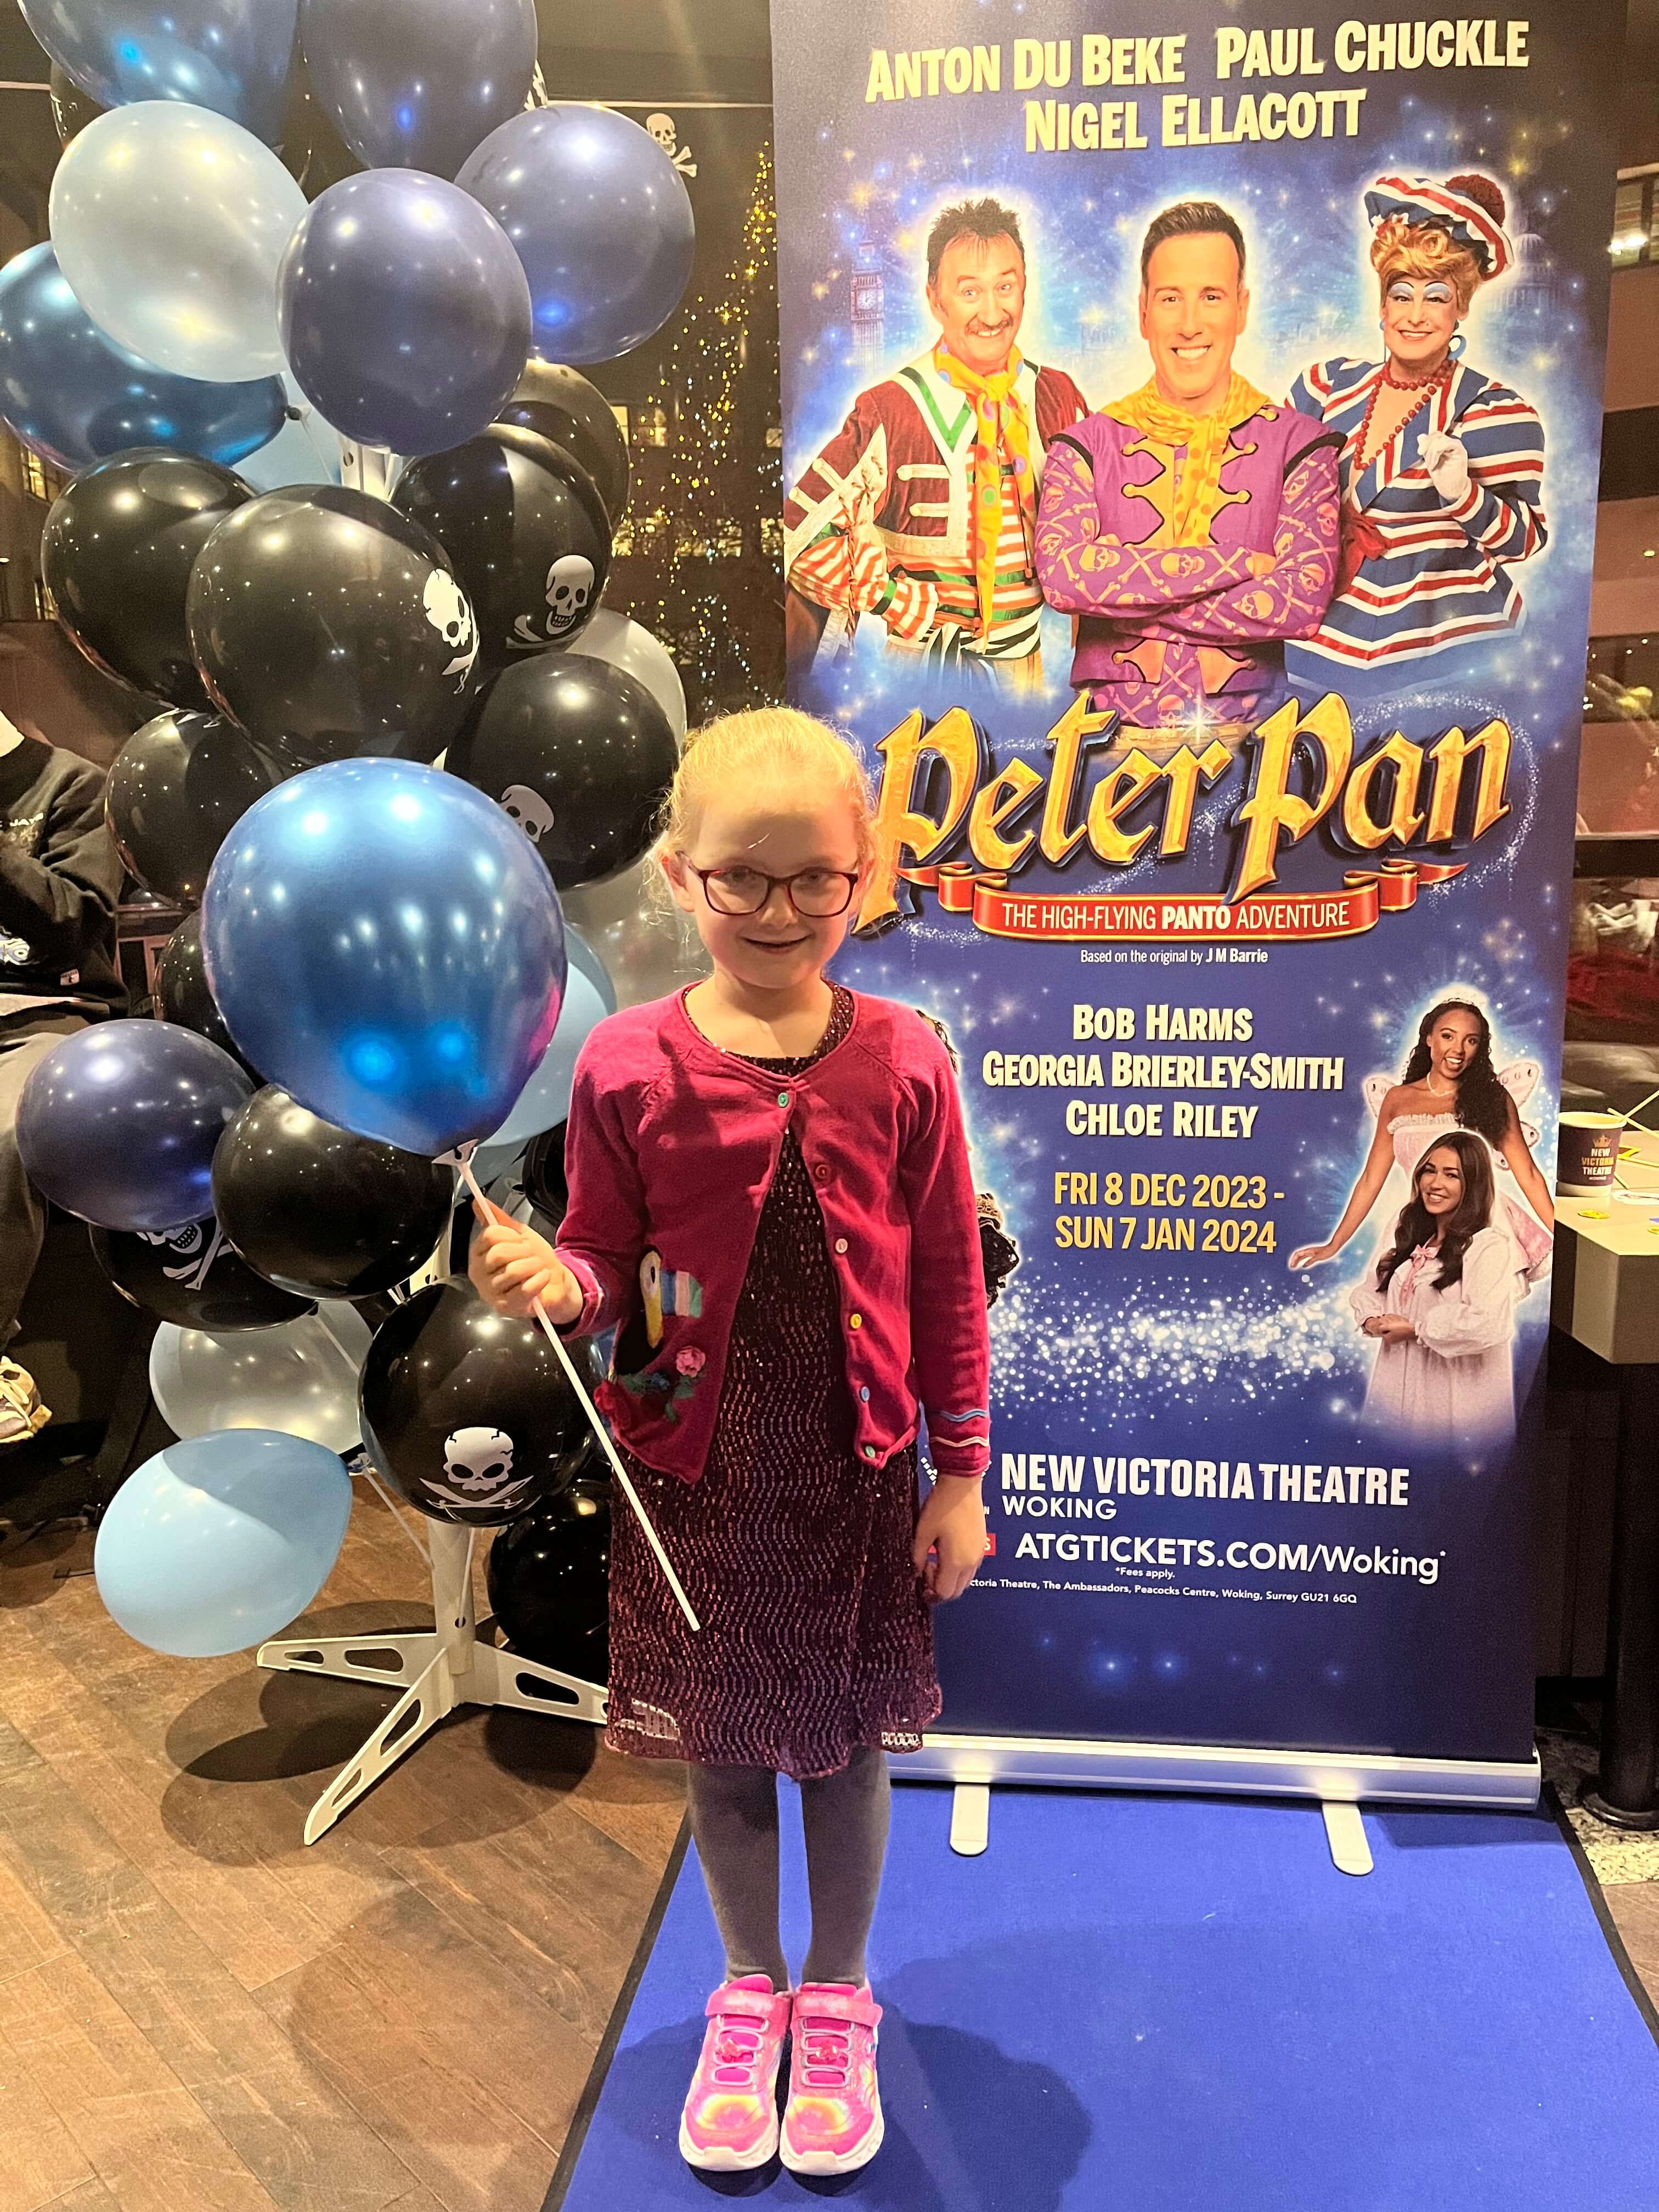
(436, 1668)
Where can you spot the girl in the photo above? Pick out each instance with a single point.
(1449, 1083)
(770, 1201)
(1441, 1303)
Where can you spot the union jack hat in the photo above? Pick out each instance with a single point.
(1425, 200)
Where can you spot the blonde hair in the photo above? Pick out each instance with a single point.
(1424, 250)
(775, 744)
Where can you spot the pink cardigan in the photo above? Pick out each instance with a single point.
(672, 1144)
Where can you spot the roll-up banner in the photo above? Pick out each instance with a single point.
(1191, 422)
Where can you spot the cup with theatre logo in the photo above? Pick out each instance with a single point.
(1588, 1153)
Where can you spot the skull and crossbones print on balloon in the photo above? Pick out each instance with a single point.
(450, 613)
(529, 810)
(569, 588)
(665, 131)
(478, 1472)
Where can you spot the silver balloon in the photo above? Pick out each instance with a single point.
(630, 647)
(300, 1377)
(169, 222)
(649, 947)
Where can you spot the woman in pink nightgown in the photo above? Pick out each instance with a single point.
(1440, 1304)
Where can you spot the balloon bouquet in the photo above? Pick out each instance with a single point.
(306, 336)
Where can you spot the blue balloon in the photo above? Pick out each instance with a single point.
(75, 397)
(414, 84)
(404, 312)
(545, 1099)
(232, 56)
(385, 943)
(221, 1541)
(293, 457)
(118, 1123)
(600, 219)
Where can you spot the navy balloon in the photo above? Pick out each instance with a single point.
(404, 314)
(119, 1122)
(414, 84)
(229, 55)
(384, 943)
(598, 215)
(74, 397)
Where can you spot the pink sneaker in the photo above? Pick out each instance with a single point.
(730, 2122)
(832, 2123)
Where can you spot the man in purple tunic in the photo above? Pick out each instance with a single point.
(1193, 526)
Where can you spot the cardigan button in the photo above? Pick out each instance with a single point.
(783, 1097)
(855, 1321)
(864, 1391)
(821, 1174)
(869, 1451)
(841, 1243)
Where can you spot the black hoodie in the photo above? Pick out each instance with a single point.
(59, 879)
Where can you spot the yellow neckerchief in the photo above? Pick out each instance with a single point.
(1205, 437)
(999, 421)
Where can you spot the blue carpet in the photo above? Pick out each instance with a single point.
(1146, 2004)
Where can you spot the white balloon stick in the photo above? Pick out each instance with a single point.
(596, 1419)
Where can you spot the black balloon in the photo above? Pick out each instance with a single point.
(549, 1582)
(562, 404)
(466, 1413)
(116, 553)
(183, 993)
(312, 151)
(71, 108)
(580, 752)
(177, 787)
(526, 531)
(192, 1278)
(328, 624)
(320, 1210)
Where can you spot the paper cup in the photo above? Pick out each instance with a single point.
(1588, 1153)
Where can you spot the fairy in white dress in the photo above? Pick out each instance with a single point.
(1441, 1304)
(1450, 1084)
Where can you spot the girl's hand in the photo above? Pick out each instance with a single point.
(1395, 1328)
(1312, 1255)
(511, 1266)
(951, 1525)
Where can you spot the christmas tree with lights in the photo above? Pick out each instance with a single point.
(714, 537)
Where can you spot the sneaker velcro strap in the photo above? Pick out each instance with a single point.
(729, 2003)
(818, 2003)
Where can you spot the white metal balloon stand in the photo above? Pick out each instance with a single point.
(437, 1669)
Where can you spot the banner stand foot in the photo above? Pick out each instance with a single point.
(437, 1669)
(1345, 1831)
(970, 1819)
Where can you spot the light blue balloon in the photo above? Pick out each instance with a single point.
(543, 1103)
(232, 56)
(75, 397)
(292, 457)
(220, 1541)
(385, 943)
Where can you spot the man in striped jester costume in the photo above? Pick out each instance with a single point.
(920, 512)
(1441, 467)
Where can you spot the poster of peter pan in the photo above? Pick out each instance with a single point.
(1191, 425)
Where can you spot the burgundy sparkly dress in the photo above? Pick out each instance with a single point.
(816, 1636)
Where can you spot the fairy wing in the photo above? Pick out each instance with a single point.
(1520, 1079)
(1377, 1089)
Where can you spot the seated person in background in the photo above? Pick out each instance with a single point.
(59, 877)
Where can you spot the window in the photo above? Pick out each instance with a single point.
(34, 477)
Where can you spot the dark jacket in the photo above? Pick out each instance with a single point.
(60, 878)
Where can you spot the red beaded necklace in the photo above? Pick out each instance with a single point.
(1425, 386)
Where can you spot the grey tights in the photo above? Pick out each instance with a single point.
(734, 1821)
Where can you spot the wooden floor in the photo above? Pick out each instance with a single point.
(199, 2014)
